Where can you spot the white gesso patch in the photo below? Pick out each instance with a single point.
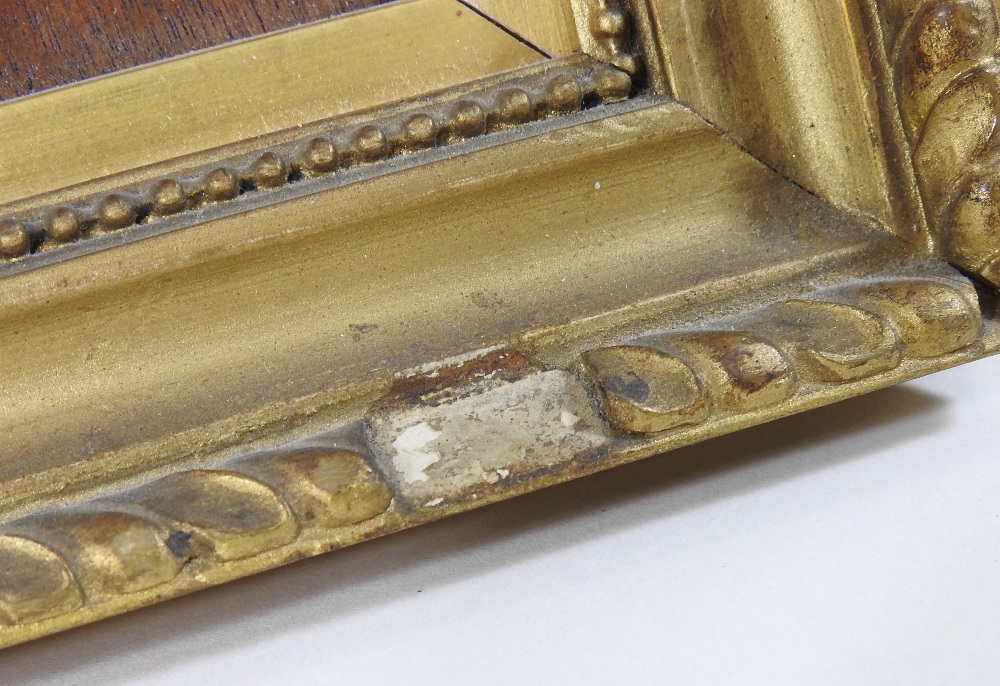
(568, 419)
(411, 458)
(494, 476)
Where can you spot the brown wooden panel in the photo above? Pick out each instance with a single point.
(47, 43)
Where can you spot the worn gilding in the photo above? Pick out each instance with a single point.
(271, 341)
(183, 106)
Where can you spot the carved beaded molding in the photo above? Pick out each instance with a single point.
(564, 90)
(610, 25)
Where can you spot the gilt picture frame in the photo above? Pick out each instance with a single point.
(258, 304)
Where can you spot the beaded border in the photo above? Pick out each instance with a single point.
(563, 90)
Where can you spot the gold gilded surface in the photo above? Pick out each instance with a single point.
(547, 24)
(645, 390)
(325, 487)
(226, 359)
(326, 151)
(834, 341)
(110, 553)
(139, 117)
(179, 533)
(298, 290)
(794, 83)
(35, 582)
(743, 371)
(607, 31)
(945, 59)
(232, 515)
(452, 435)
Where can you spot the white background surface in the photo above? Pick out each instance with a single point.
(857, 544)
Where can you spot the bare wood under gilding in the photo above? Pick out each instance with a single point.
(232, 358)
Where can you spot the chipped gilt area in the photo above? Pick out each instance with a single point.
(558, 91)
(471, 430)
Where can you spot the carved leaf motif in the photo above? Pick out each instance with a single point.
(972, 237)
(944, 41)
(959, 128)
(947, 65)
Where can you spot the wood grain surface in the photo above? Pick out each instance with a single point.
(47, 43)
